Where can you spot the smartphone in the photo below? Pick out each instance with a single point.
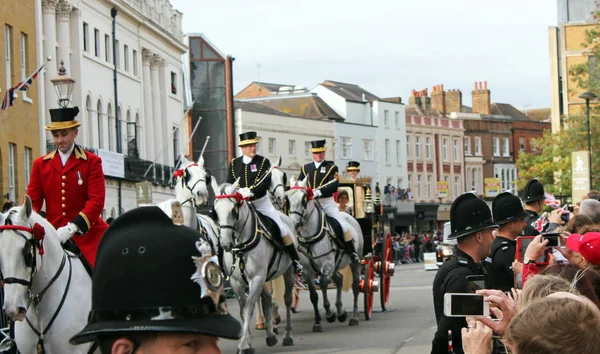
(571, 209)
(565, 217)
(462, 305)
(522, 243)
(475, 282)
(554, 239)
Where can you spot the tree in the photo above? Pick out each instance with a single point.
(551, 162)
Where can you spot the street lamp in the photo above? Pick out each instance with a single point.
(63, 84)
(587, 96)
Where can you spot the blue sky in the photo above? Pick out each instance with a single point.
(388, 47)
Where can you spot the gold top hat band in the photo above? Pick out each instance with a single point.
(63, 125)
(320, 149)
(248, 142)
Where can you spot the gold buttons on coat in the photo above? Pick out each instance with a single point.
(64, 206)
(64, 177)
(64, 214)
(63, 184)
(63, 191)
(63, 198)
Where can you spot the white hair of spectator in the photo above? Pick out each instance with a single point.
(591, 209)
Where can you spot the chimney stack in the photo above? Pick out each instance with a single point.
(453, 101)
(425, 99)
(481, 98)
(414, 99)
(438, 99)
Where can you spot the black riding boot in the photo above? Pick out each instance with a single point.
(352, 252)
(293, 252)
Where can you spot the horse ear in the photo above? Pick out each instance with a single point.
(214, 185)
(292, 181)
(26, 209)
(303, 182)
(278, 164)
(234, 186)
(201, 162)
(184, 161)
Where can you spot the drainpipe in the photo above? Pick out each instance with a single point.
(113, 14)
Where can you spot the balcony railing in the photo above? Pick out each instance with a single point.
(135, 169)
(402, 205)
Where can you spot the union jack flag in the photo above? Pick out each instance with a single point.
(540, 223)
(21, 86)
(551, 201)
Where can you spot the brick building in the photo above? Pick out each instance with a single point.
(19, 124)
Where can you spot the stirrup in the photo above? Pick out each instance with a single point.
(354, 258)
(297, 267)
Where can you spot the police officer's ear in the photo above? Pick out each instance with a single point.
(123, 346)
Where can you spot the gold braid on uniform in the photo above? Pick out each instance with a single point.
(328, 172)
(258, 174)
(246, 174)
(232, 169)
(315, 176)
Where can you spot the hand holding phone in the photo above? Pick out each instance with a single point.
(463, 305)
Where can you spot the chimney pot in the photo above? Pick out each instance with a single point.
(475, 85)
(485, 84)
(442, 87)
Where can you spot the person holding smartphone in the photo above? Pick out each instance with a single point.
(510, 216)
(473, 227)
(534, 198)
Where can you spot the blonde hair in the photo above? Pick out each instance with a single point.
(541, 286)
(555, 325)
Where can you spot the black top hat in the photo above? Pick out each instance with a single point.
(469, 214)
(533, 191)
(507, 207)
(146, 280)
(353, 166)
(63, 118)
(318, 146)
(248, 138)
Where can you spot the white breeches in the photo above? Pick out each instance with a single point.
(331, 209)
(265, 207)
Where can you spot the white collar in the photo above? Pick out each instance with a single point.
(317, 164)
(64, 157)
(246, 159)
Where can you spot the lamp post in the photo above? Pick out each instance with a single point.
(587, 96)
(63, 84)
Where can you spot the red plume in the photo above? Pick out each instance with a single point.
(39, 233)
(178, 173)
(310, 193)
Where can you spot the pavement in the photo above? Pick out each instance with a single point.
(407, 328)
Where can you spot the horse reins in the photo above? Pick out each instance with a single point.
(183, 174)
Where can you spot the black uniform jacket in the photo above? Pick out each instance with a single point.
(326, 172)
(451, 278)
(502, 254)
(250, 175)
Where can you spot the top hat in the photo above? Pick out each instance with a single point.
(353, 166)
(63, 118)
(507, 207)
(152, 276)
(469, 214)
(248, 138)
(533, 191)
(318, 146)
(588, 245)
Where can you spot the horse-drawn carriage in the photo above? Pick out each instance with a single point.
(366, 210)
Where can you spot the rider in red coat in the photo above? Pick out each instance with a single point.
(71, 182)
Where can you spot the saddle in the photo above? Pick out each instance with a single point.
(273, 230)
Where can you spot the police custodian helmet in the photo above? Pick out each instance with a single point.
(507, 207)
(533, 191)
(469, 214)
(152, 276)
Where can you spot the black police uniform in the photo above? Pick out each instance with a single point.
(468, 215)
(250, 175)
(451, 278)
(503, 254)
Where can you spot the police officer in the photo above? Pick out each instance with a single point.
(534, 197)
(156, 289)
(472, 226)
(251, 169)
(323, 179)
(510, 216)
(353, 169)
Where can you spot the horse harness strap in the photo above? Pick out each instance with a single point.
(42, 334)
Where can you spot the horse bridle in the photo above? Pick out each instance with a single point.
(236, 199)
(29, 253)
(303, 219)
(185, 176)
(274, 189)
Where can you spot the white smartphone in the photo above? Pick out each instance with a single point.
(462, 305)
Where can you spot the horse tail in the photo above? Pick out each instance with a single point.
(277, 290)
(346, 274)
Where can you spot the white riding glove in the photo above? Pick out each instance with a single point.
(317, 193)
(245, 192)
(66, 232)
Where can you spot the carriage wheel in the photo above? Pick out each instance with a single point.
(367, 286)
(386, 270)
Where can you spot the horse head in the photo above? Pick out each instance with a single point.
(23, 235)
(298, 196)
(278, 181)
(194, 181)
(227, 212)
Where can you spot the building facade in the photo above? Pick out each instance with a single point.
(137, 121)
(19, 143)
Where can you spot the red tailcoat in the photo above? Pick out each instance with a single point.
(73, 193)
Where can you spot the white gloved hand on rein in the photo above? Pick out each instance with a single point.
(317, 193)
(245, 192)
(66, 232)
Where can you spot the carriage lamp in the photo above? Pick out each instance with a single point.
(368, 202)
(63, 84)
(377, 204)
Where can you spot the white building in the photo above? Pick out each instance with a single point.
(373, 131)
(149, 46)
(283, 134)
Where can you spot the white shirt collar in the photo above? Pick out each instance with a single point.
(317, 164)
(246, 159)
(64, 157)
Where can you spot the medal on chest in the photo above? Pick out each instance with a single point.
(323, 169)
(79, 179)
(253, 168)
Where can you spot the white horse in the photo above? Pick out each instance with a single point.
(191, 191)
(253, 260)
(320, 255)
(47, 290)
(277, 187)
